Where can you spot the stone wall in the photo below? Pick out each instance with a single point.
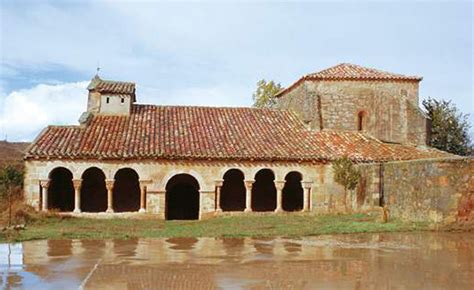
(434, 190)
(324, 193)
(390, 108)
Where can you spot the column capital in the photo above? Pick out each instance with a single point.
(77, 183)
(45, 183)
(279, 184)
(109, 183)
(219, 182)
(144, 182)
(307, 184)
(249, 182)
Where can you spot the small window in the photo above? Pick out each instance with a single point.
(360, 121)
(107, 100)
(122, 100)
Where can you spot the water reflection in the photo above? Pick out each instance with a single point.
(182, 243)
(371, 261)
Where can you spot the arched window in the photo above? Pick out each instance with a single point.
(361, 121)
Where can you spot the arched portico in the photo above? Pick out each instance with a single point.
(293, 193)
(264, 192)
(182, 198)
(126, 191)
(232, 194)
(61, 190)
(93, 191)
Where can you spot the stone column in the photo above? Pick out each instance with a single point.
(142, 197)
(77, 195)
(44, 185)
(219, 184)
(109, 183)
(248, 195)
(307, 195)
(279, 187)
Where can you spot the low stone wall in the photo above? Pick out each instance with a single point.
(434, 190)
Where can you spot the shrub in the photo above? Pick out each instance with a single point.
(346, 174)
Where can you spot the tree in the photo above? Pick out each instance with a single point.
(264, 96)
(449, 127)
(11, 180)
(346, 175)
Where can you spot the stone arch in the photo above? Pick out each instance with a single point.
(233, 191)
(293, 192)
(264, 193)
(126, 192)
(61, 190)
(192, 173)
(182, 197)
(93, 190)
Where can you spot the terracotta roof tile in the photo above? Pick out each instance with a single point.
(351, 72)
(174, 132)
(347, 71)
(112, 87)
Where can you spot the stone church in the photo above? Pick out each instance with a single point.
(188, 162)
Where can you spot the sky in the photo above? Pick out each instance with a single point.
(213, 53)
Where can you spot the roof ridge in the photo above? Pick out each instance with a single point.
(112, 81)
(363, 69)
(211, 107)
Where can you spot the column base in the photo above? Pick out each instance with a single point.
(109, 210)
(279, 210)
(248, 210)
(142, 210)
(76, 210)
(219, 210)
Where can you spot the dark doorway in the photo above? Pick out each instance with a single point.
(61, 190)
(93, 191)
(292, 199)
(182, 198)
(264, 191)
(233, 191)
(126, 193)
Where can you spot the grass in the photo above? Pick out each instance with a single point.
(288, 225)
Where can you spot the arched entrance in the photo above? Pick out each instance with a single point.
(264, 191)
(233, 191)
(182, 198)
(93, 191)
(61, 190)
(126, 192)
(292, 199)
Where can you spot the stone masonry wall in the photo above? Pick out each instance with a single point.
(434, 190)
(324, 192)
(390, 108)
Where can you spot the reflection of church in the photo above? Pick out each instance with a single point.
(183, 162)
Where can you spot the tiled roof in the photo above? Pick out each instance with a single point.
(174, 132)
(352, 72)
(347, 71)
(111, 87)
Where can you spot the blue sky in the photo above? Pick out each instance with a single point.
(213, 53)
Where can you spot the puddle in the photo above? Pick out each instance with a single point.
(362, 261)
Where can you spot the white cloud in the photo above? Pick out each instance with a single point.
(26, 112)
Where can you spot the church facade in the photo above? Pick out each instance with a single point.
(188, 162)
